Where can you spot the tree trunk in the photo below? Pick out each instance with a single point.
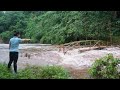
(110, 32)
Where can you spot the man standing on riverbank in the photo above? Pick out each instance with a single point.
(14, 50)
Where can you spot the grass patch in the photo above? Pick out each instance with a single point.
(5, 73)
(35, 72)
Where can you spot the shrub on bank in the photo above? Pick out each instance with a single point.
(105, 68)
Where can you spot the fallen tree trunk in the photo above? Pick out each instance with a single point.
(91, 48)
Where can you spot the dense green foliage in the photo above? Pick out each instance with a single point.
(35, 72)
(61, 26)
(105, 68)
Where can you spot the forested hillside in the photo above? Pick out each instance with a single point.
(58, 27)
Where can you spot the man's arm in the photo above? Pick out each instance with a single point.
(25, 40)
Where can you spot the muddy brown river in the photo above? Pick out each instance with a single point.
(46, 54)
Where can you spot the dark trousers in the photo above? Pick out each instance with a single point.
(13, 58)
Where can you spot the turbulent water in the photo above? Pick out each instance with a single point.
(41, 54)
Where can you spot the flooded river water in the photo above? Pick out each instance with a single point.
(42, 55)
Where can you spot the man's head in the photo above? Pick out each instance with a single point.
(17, 34)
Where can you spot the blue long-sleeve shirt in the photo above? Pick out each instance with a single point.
(14, 44)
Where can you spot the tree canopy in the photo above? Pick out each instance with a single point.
(58, 27)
